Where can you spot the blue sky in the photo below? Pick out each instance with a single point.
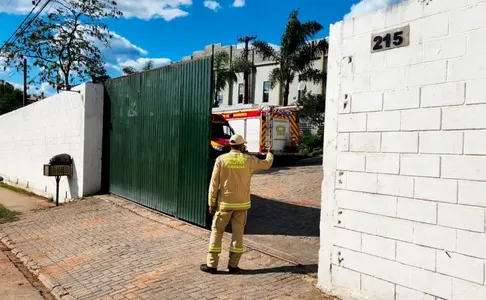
(167, 30)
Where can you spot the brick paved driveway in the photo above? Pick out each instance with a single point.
(97, 250)
(285, 211)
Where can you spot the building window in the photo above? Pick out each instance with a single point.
(220, 98)
(266, 91)
(302, 89)
(240, 92)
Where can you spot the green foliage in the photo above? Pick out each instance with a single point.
(10, 98)
(312, 109)
(64, 43)
(224, 74)
(149, 65)
(296, 54)
(311, 145)
(128, 70)
(7, 215)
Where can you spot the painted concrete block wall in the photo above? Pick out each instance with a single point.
(69, 123)
(404, 190)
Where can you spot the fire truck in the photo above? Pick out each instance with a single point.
(262, 125)
(221, 133)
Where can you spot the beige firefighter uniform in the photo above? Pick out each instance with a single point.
(229, 191)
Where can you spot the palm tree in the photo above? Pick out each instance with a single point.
(296, 54)
(128, 70)
(223, 74)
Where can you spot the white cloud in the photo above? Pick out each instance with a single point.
(45, 88)
(141, 9)
(121, 47)
(153, 9)
(212, 5)
(140, 62)
(239, 3)
(366, 6)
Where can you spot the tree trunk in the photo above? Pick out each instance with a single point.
(286, 94)
(66, 81)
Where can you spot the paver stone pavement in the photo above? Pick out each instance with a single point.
(101, 249)
(13, 283)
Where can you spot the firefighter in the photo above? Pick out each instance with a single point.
(229, 201)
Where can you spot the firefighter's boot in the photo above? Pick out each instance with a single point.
(207, 269)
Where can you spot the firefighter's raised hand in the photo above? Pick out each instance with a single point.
(270, 148)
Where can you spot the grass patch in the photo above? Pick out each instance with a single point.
(8, 215)
(16, 189)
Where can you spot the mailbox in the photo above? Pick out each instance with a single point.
(58, 170)
(58, 166)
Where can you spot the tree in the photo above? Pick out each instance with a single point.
(312, 109)
(296, 54)
(128, 70)
(64, 43)
(223, 74)
(149, 65)
(10, 98)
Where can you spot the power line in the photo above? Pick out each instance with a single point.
(20, 26)
(33, 18)
(9, 75)
(5, 7)
(22, 30)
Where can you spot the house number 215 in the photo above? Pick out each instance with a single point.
(399, 37)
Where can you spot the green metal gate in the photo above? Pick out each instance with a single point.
(159, 139)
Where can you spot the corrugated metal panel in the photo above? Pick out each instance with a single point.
(160, 138)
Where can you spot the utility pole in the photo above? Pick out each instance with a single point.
(25, 82)
(246, 74)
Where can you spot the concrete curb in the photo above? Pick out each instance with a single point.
(195, 230)
(51, 284)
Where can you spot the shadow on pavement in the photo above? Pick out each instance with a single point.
(297, 269)
(270, 217)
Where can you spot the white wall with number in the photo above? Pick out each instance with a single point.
(404, 191)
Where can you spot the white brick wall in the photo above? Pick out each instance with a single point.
(69, 123)
(404, 191)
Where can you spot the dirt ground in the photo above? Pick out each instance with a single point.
(299, 185)
(23, 203)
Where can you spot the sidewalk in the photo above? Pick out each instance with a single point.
(94, 249)
(22, 203)
(13, 285)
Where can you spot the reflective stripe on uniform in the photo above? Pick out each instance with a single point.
(226, 205)
(236, 250)
(214, 250)
(212, 200)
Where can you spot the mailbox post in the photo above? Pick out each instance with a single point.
(60, 165)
